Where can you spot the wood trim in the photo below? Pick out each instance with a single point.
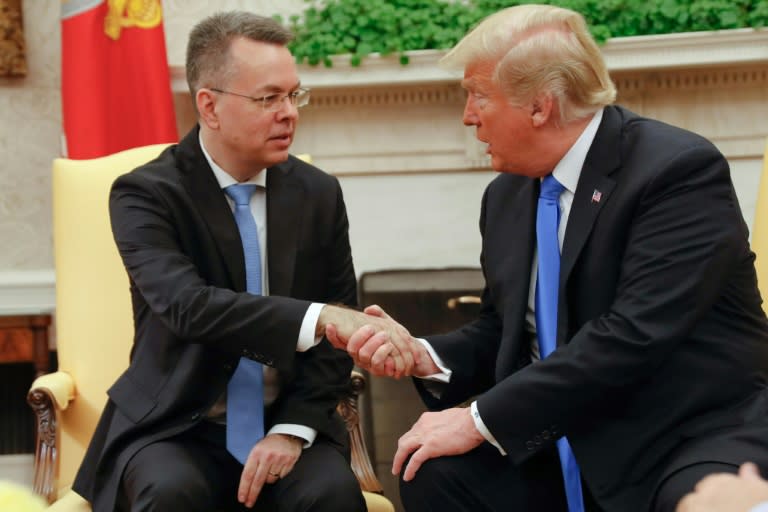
(13, 62)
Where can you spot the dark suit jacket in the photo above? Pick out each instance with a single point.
(662, 355)
(181, 247)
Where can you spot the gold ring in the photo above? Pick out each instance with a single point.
(274, 474)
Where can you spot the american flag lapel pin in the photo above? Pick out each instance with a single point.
(596, 196)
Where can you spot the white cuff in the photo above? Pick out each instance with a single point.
(306, 433)
(445, 375)
(307, 338)
(483, 429)
(760, 507)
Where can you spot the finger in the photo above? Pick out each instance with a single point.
(256, 485)
(376, 310)
(750, 471)
(332, 333)
(380, 356)
(359, 339)
(413, 345)
(404, 352)
(389, 367)
(373, 346)
(406, 445)
(246, 477)
(418, 458)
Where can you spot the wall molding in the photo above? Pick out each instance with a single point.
(685, 50)
(27, 292)
(382, 118)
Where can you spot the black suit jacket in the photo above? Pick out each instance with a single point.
(662, 351)
(182, 251)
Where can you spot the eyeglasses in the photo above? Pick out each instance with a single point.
(275, 102)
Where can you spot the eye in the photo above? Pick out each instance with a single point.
(481, 100)
(271, 100)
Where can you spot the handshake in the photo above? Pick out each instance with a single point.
(375, 342)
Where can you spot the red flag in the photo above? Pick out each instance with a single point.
(115, 84)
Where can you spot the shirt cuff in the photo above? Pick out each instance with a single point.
(306, 433)
(483, 429)
(761, 507)
(307, 338)
(445, 375)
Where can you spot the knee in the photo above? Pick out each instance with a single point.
(435, 478)
(340, 495)
(171, 493)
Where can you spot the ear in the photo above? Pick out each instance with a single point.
(542, 109)
(205, 101)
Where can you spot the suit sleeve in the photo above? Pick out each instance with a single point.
(683, 240)
(147, 236)
(322, 374)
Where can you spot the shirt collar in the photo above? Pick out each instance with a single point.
(568, 169)
(225, 179)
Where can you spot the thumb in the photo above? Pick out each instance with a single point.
(333, 336)
(375, 310)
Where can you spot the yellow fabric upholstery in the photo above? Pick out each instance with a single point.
(760, 233)
(93, 315)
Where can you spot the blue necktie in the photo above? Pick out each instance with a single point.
(547, 286)
(245, 392)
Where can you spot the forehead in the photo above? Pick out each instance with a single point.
(260, 65)
(478, 75)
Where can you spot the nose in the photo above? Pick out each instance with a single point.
(470, 116)
(287, 109)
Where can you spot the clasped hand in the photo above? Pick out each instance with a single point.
(380, 345)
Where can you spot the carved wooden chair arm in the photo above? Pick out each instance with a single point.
(48, 394)
(361, 463)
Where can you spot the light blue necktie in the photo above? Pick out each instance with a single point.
(245, 392)
(547, 285)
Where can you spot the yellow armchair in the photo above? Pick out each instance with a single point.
(94, 326)
(760, 233)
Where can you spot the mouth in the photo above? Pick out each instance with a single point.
(283, 138)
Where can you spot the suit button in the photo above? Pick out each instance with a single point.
(537, 440)
(245, 352)
(546, 434)
(529, 445)
(196, 416)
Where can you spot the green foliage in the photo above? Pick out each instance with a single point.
(361, 27)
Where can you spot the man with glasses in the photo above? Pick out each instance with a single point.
(233, 247)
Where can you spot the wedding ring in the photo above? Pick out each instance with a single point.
(274, 474)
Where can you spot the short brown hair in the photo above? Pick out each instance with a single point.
(210, 40)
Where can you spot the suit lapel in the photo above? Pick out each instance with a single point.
(285, 197)
(209, 200)
(518, 213)
(592, 193)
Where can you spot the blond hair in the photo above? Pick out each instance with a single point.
(540, 49)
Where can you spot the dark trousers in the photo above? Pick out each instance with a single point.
(484, 481)
(194, 472)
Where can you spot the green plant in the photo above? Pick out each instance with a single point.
(362, 27)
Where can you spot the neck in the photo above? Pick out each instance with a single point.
(239, 169)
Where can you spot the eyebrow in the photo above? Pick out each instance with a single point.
(269, 88)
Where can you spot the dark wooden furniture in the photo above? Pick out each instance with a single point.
(24, 338)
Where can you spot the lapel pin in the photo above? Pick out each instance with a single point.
(596, 196)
